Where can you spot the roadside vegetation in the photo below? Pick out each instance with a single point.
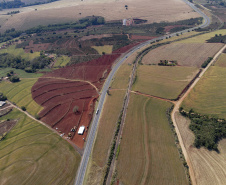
(32, 154)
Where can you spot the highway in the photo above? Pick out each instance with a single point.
(90, 139)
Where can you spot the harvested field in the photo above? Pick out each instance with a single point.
(148, 154)
(193, 54)
(64, 11)
(32, 154)
(107, 125)
(20, 93)
(202, 38)
(209, 166)
(107, 49)
(163, 81)
(208, 96)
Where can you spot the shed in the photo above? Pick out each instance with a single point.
(81, 130)
(2, 103)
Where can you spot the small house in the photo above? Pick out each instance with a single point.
(81, 130)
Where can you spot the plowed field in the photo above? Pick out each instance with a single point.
(72, 86)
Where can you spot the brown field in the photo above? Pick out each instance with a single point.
(109, 117)
(148, 154)
(209, 166)
(68, 10)
(193, 54)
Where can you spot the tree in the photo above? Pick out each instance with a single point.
(14, 79)
(2, 97)
(23, 108)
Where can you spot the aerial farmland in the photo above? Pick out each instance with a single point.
(112, 92)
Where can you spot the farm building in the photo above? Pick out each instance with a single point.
(2, 103)
(81, 130)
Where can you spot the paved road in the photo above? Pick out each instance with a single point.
(90, 140)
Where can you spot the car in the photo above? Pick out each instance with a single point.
(97, 111)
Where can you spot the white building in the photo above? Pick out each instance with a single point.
(2, 103)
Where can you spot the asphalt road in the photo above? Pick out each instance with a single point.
(90, 140)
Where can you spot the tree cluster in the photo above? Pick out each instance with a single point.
(208, 130)
(9, 60)
(217, 39)
(168, 63)
(2, 97)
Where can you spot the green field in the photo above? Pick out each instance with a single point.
(121, 79)
(20, 93)
(20, 52)
(162, 81)
(62, 61)
(148, 154)
(208, 96)
(32, 154)
(107, 49)
(202, 38)
(107, 125)
(21, 73)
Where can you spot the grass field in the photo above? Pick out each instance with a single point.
(186, 54)
(20, 52)
(148, 154)
(107, 49)
(19, 72)
(121, 79)
(209, 166)
(221, 61)
(203, 38)
(107, 125)
(208, 96)
(20, 93)
(162, 81)
(62, 61)
(32, 154)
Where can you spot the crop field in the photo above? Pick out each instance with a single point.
(107, 49)
(62, 61)
(107, 125)
(163, 81)
(204, 37)
(192, 54)
(32, 154)
(121, 79)
(19, 72)
(208, 96)
(64, 11)
(20, 93)
(148, 154)
(19, 52)
(209, 166)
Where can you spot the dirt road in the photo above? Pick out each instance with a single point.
(176, 109)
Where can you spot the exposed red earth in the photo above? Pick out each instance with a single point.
(168, 28)
(76, 85)
(141, 37)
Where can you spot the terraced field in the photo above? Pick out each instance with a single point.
(148, 154)
(162, 81)
(20, 93)
(32, 154)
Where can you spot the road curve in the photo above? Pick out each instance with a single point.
(90, 140)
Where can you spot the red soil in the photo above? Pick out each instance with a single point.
(63, 89)
(168, 28)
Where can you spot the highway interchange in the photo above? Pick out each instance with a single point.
(90, 139)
